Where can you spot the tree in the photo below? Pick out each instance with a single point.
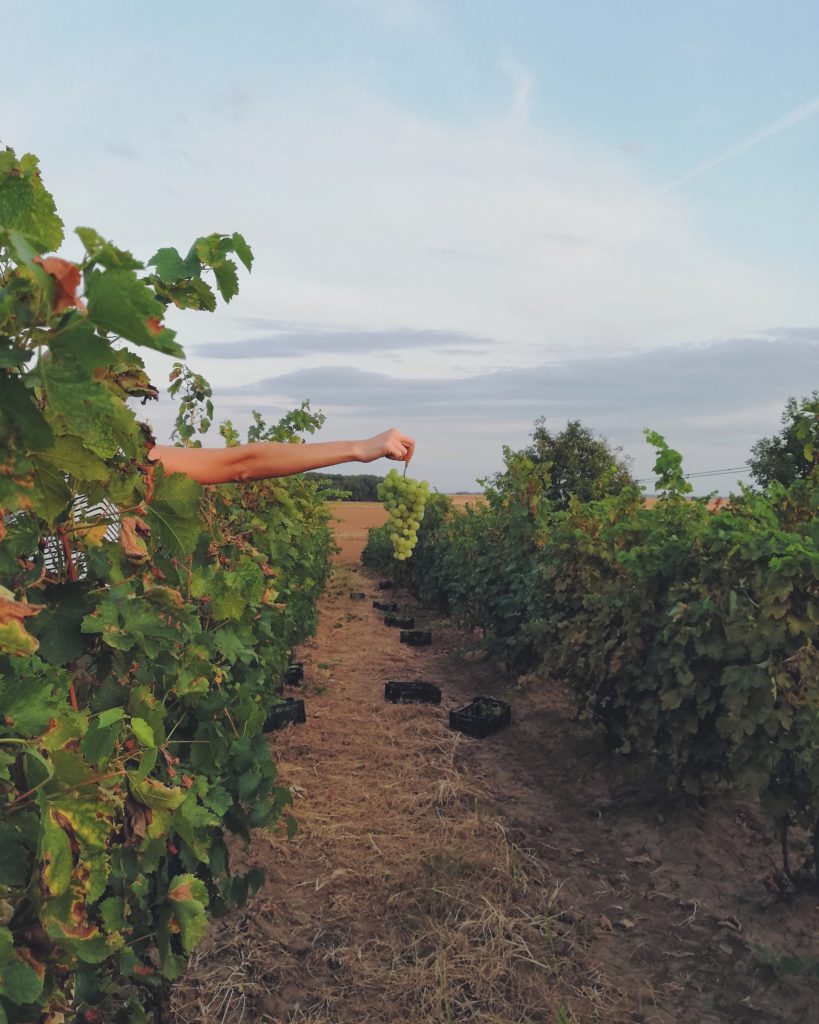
(577, 462)
(781, 458)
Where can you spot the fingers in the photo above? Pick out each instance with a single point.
(399, 447)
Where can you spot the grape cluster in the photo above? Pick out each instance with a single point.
(404, 499)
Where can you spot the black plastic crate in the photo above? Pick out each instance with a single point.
(386, 584)
(416, 692)
(357, 595)
(290, 710)
(294, 673)
(416, 637)
(398, 622)
(386, 606)
(482, 717)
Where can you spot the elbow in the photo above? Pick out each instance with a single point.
(243, 468)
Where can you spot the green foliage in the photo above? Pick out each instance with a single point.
(135, 674)
(687, 636)
(575, 463)
(350, 486)
(782, 459)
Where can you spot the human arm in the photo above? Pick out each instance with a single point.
(264, 459)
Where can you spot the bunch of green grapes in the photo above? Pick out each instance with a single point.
(404, 499)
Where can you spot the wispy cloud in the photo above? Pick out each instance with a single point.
(299, 340)
(523, 83)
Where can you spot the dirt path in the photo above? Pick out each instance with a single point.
(515, 880)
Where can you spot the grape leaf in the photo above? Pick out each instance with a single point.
(120, 303)
(21, 981)
(53, 850)
(242, 250)
(188, 898)
(174, 513)
(170, 266)
(26, 205)
(14, 857)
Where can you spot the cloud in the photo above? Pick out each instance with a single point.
(364, 213)
(710, 401)
(300, 340)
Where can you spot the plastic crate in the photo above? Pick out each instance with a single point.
(357, 595)
(386, 606)
(386, 584)
(416, 637)
(398, 622)
(294, 673)
(482, 717)
(289, 711)
(416, 692)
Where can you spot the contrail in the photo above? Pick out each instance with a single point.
(774, 128)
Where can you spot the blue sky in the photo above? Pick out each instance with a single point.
(453, 191)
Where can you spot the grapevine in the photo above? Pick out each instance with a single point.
(404, 499)
(688, 636)
(145, 623)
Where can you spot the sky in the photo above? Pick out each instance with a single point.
(465, 214)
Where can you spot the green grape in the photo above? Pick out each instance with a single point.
(404, 499)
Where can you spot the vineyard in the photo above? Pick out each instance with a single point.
(686, 636)
(146, 628)
(145, 624)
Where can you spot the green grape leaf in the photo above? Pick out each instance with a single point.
(19, 413)
(153, 794)
(143, 733)
(105, 253)
(109, 716)
(188, 899)
(79, 405)
(170, 266)
(99, 741)
(112, 913)
(66, 922)
(227, 279)
(6, 946)
(14, 857)
(58, 629)
(53, 850)
(242, 250)
(91, 822)
(120, 303)
(21, 981)
(14, 640)
(29, 703)
(26, 205)
(174, 513)
(193, 293)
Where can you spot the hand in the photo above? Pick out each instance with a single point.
(392, 444)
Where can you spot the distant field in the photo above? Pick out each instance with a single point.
(354, 518)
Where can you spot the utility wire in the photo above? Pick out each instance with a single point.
(706, 472)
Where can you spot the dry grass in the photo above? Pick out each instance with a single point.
(401, 897)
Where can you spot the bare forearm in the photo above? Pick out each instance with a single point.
(252, 461)
(265, 459)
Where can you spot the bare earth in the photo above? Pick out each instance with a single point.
(515, 880)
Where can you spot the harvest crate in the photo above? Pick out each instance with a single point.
(294, 673)
(416, 637)
(386, 606)
(417, 692)
(398, 622)
(290, 710)
(482, 717)
(357, 595)
(385, 584)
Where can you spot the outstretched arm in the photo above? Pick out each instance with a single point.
(270, 458)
